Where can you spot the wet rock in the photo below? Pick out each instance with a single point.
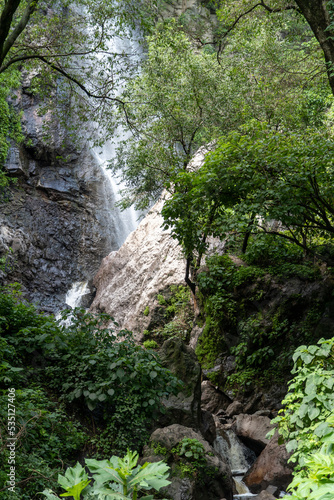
(265, 495)
(211, 482)
(213, 399)
(59, 223)
(252, 430)
(234, 408)
(270, 468)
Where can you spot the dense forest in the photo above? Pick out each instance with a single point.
(250, 85)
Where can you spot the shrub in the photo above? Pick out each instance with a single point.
(114, 478)
(64, 370)
(150, 344)
(307, 422)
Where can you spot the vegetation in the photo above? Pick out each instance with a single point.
(256, 94)
(262, 338)
(307, 421)
(114, 478)
(72, 394)
(172, 318)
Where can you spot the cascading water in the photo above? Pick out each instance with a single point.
(75, 294)
(119, 223)
(125, 221)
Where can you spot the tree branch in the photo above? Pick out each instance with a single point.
(260, 4)
(6, 19)
(9, 42)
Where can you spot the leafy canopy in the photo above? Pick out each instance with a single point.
(252, 178)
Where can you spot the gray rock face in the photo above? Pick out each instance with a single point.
(185, 408)
(213, 482)
(54, 224)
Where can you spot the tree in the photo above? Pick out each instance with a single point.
(179, 102)
(318, 14)
(59, 46)
(184, 98)
(253, 178)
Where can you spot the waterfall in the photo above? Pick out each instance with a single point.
(75, 294)
(118, 224)
(127, 220)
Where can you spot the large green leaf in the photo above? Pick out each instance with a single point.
(152, 475)
(75, 491)
(73, 475)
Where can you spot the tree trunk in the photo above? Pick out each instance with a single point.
(316, 13)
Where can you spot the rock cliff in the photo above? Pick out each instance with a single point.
(55, 221)
(129, 279)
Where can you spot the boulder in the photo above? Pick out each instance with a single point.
(270, 468)
(234, 408)
(213, 399)
(252, 430)
(189, 481)
(208, 426)
(185, 407)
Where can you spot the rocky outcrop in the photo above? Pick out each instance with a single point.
(129, 280)
(213, 400)
(207, 479)
(270, 468)
(55, 222)
(185, 408)
(252, 430)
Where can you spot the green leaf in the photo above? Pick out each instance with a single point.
(75, 491)
(74, 481)
(314, 412)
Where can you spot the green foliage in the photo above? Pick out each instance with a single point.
(191, 461)
(161, 299)
(178, 102)
(282, 258)
(114, 478)
(46, 438)
(191, 448)
(158, 449)
(146, 311)
(9, 120)
(239, 319)
(307, 422)
(105, 378)
(253, 178)
(150, 344)
(177, 311)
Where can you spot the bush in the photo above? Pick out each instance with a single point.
(114, 478)
(307, 422)
(79, 368)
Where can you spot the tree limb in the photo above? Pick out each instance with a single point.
(9, 42)
(6, 19)
(260, 4)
